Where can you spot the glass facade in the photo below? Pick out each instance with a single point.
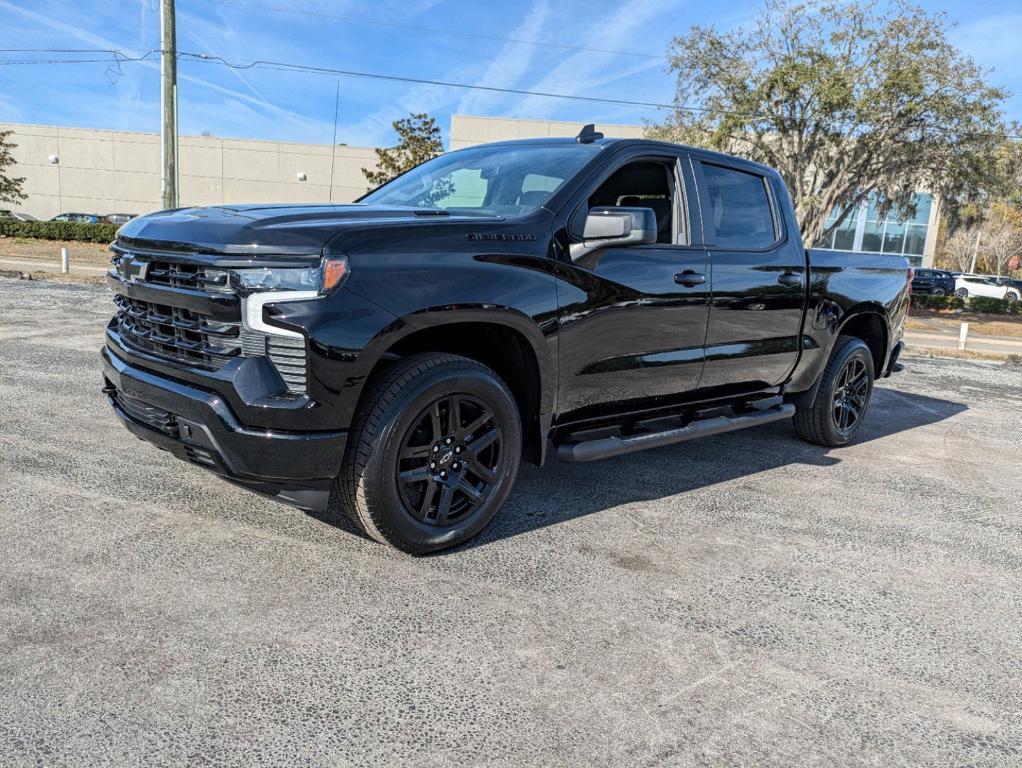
(864, 230)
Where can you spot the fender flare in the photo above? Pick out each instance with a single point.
(377, 349)
(806, 398)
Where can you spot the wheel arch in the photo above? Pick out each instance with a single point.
(869, 324)
(500, 338)
(866, 322)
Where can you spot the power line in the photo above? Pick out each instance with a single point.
(115, 55)
(284, 66)
(435, 30)
(292, 67)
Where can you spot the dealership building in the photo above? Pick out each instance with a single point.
(80, 170)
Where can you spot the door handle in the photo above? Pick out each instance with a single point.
(790, 278)
(690, 278)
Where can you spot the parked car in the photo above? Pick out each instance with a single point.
(935, 282)
(1012, 283)
(17, 215)
(119, 218)
(967, 285)
(403, 354)
(78, 218)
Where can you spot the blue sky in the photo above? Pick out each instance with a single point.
(398, 37)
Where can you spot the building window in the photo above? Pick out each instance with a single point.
(864, 230)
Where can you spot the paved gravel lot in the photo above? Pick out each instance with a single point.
(744, 600)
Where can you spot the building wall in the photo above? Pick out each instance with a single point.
(119, 171)
(467, 130)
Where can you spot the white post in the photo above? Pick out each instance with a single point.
(963, 335)
(65, 262)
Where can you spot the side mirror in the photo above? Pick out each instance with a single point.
(613, 227)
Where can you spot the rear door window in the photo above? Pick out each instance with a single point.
(738, 209)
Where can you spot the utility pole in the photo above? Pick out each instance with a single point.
(168, 105)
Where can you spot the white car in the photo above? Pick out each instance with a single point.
(977, 285)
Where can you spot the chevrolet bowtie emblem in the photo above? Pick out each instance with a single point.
(131, 269)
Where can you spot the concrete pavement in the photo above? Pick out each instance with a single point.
(748, 599)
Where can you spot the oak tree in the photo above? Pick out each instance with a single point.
(847, 100)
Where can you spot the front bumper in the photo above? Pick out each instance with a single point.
(199, 427)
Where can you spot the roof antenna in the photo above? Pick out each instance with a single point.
(588, 134)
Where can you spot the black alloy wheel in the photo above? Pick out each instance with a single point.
(851, 395)
(449, 460)
(939, 292)
(432, 454)
(843, 395)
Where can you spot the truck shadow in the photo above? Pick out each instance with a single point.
(560, 492)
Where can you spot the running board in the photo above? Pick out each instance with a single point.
(605, 447)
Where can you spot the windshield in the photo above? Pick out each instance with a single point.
(507, 180)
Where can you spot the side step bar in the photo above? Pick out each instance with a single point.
(605, 447)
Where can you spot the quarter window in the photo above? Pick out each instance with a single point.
(738, 209)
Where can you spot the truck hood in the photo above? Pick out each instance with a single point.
(254, 230)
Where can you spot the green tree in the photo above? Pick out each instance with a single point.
(419, 141)
(10, 187)
(846, 100)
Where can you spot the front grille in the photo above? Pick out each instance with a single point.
(150, 415)
(192, 276)
(177, 333)
(192, 338)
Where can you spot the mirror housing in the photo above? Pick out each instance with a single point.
(614, 227)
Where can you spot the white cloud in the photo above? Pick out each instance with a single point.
(583, 72)
(510, 64)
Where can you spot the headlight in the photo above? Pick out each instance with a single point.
(320, 279)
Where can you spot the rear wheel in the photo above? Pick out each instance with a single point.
(433, 454)
(962, 293)
(842, 398)
(1011, 296)
(939, 292)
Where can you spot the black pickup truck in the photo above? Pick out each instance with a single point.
(401, 355)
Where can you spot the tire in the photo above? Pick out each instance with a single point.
(962, 293)
(939, 292)
(390, 482)
(1011, 296)
(821, 423)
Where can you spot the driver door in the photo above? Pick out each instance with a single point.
(633, 319)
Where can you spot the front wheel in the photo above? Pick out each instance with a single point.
(939, 292)
(962, 293)
(1012, 297)
(843, 397)
(433, 453)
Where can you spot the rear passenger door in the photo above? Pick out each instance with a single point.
(758, 274)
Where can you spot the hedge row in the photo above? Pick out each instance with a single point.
(990, 306)
(926, 301)
(981, 304)
(59, 230)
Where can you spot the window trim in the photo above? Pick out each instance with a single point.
(780, 229)
(680, 204)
